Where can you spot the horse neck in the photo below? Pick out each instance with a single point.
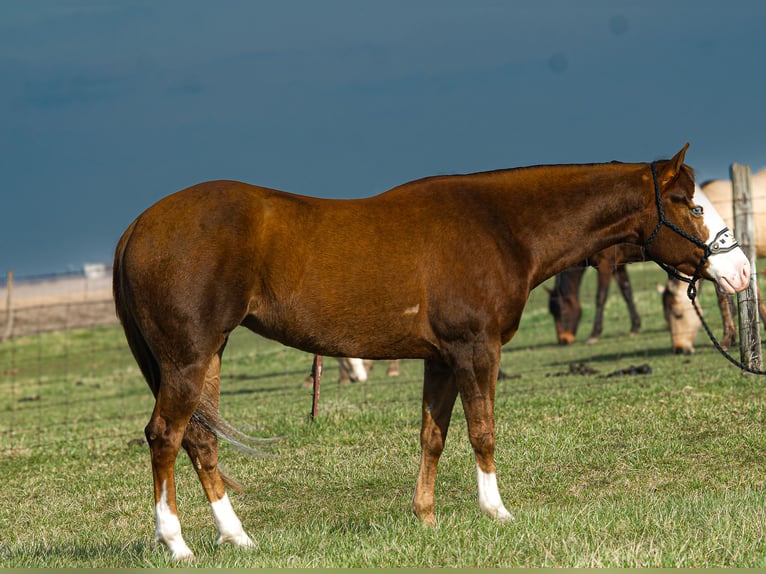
(569, 213)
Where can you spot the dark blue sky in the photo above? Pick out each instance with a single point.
(108, 105)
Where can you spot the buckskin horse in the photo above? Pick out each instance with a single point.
(469, 248)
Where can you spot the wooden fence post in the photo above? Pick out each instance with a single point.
(316, 372)
(744, 228)
(9, 308)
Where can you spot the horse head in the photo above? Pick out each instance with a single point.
(564, 304)
(685, 234)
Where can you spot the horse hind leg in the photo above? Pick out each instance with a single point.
(177, 398)
(201, 444)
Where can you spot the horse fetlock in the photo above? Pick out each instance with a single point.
(489, 496)
(426, 515)
(168, 532)
(423, 508)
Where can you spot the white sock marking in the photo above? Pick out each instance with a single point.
(229, 526)
(167, 529)
(489, 496)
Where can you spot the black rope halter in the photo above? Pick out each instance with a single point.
(723, 242)
(706, 249)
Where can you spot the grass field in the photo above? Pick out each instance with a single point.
(659, 469)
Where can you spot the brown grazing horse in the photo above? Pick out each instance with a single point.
(469, 248)
(564, 297)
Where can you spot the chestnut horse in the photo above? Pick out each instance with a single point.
(469, 248)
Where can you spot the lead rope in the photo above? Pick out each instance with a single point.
(691, 292)
(715, 342)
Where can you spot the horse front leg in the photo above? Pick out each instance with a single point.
(623, 282)
(439, 394)
(602, 291)
(201, 444)
(476, 383)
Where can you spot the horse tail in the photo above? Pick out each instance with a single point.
(125, 312)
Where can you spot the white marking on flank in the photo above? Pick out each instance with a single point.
(167, 529)
(412, 310)
(229, 527)
(489, 495)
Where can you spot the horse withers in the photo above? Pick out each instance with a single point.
(469, 249)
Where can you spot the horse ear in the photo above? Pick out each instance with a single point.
(673, 167)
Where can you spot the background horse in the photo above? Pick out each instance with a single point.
(355, 370)
(564, 297)
(470, 248)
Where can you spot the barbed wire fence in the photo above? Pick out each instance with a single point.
(66, 364)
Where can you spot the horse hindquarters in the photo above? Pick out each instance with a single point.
(186, 388)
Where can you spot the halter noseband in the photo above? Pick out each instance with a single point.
(724, 241)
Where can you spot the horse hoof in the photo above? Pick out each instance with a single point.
(240, 539)
(503, 515)
(182, 554)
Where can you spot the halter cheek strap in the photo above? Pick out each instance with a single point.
(724, 241)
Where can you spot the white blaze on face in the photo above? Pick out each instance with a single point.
(167, 529)
(489, 496)
(731, 269)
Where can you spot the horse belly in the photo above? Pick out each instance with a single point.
(330, 326)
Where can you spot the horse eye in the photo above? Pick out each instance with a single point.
(697, 210)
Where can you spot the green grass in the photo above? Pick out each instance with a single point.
(662, 469)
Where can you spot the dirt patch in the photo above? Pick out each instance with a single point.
(56, 304)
